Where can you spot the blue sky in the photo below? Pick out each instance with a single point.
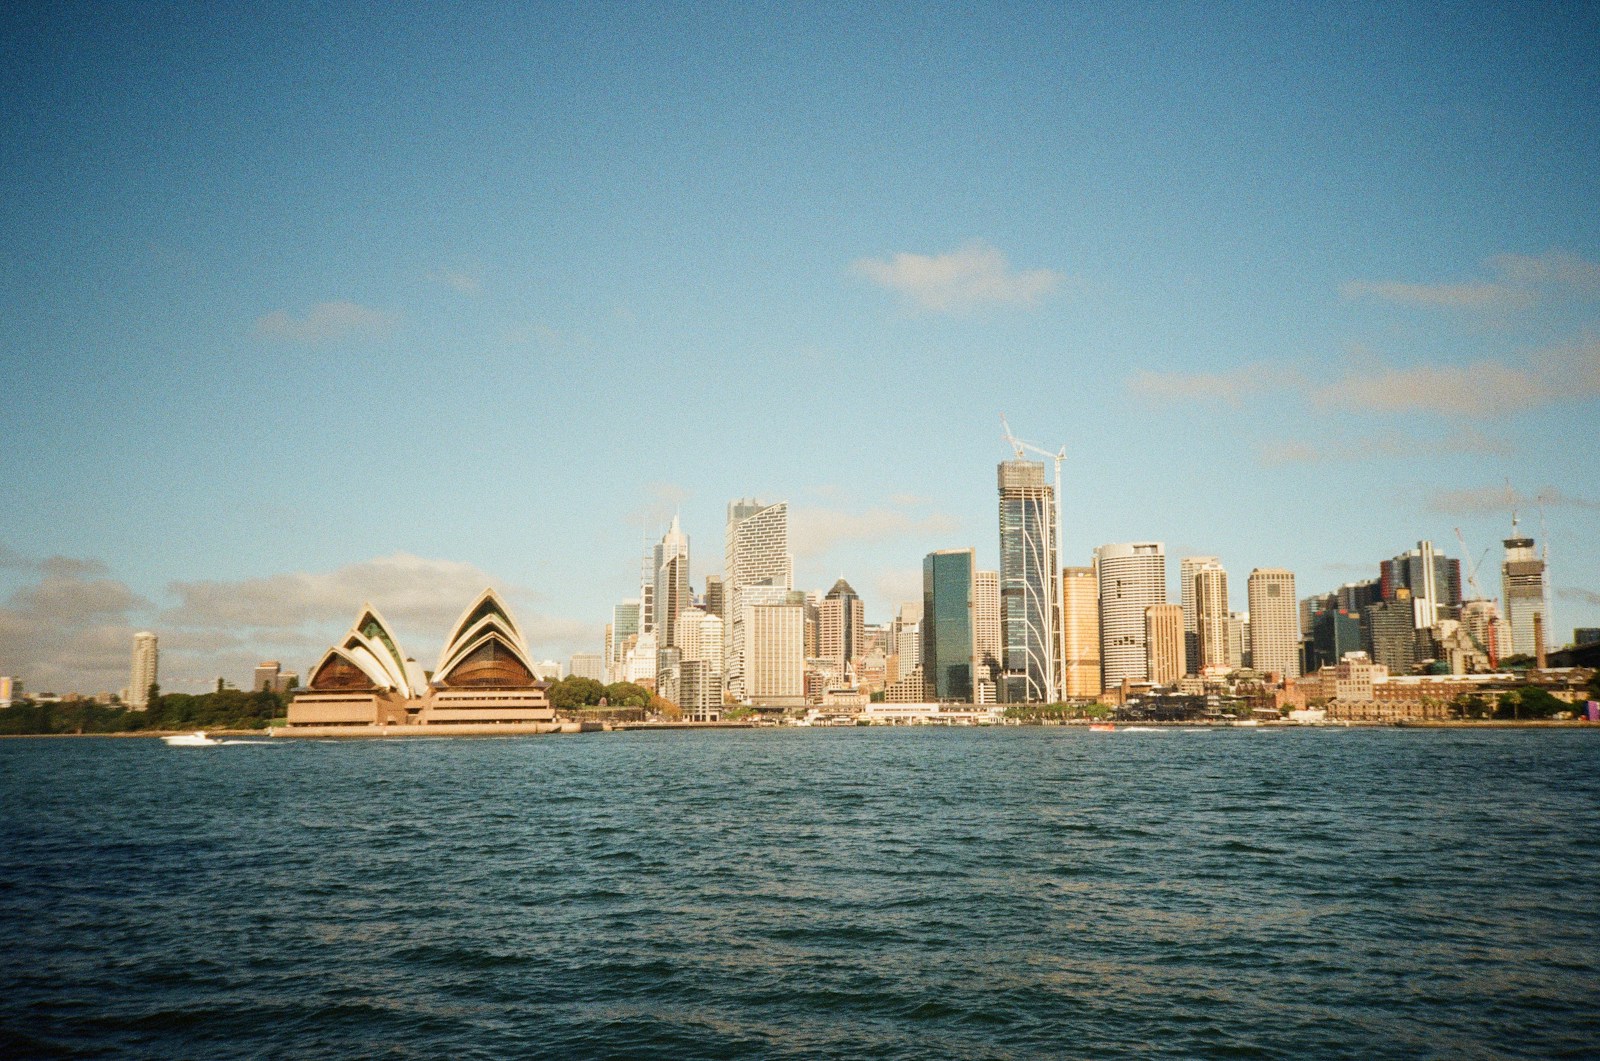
(305, 305)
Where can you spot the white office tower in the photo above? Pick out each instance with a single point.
(671, 594)
(1133, 576)
(1274, 622)
(145, 659)
(699, 636)
(756, 560)
(1191, 620)
(640, 663)
(775, 651)
(1524, 595)
(986, 623)
(1209, 591)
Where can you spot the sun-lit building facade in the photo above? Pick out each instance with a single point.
(484, 676)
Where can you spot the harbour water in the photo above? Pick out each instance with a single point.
(885, 893)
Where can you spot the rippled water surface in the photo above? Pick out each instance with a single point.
(806, 894)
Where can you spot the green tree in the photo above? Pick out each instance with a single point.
(627, 694)
(1529, 702)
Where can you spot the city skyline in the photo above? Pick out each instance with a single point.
(1293, 315)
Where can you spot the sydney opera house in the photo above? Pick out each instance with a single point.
(483, 679)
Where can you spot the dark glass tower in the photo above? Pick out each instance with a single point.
(949, 646)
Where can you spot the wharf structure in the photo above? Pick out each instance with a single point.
(484, 681)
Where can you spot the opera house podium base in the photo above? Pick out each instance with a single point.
(440, 729)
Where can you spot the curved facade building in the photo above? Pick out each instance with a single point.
(1133, 577)
(484, 676)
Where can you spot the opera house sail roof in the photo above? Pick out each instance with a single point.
(484, 677)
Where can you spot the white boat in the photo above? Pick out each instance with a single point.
(190, 740)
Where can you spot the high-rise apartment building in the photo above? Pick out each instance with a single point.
(1133, 576)
(1163, 636)
(949, 640)
(1080, 633)
(1523, 594)
(905, 636)
(1187, 566)
(986, 623)
(841, 620)
(1274, 622)
(756, 559)
(700, 647)
(145, 670)
(1209, 590)
(1029, 614)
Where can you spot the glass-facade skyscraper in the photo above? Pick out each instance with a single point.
(949, 642)
(1029, 613)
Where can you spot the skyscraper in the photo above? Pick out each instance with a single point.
(949, 642)
(624, 635)
(1210, 594)
(986, 623)
(1191, 616)
(1133, 576)
(1274, 622)
(1433, 579)
(1163, 634)
(1029, 615)
(671, 583)
(1523, 592)
(145, 668)
(840, 620)
(775, 635)
(1080, 633)
(756, 558)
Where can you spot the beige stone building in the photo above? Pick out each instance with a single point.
(1164, 641)
(1080, 633)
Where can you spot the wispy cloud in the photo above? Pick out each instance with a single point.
(327, 322)
(1485, 389)
(1231, 387)
(664, 500)
(815, 531)
(1517, 282)
(973, 276)
(1582, 596)
(456, 280)
(1383, 445)
(1501, 500)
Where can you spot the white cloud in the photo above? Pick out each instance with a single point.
(898, 586)
(975, 275)
(67, 633)
(1501, 500)
(1340, 447)
(1520, 282)
(327, 322)
(407, 589)
(816, 531)
(1485, 389)
(1582, 596)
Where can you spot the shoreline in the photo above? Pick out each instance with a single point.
(320, 732)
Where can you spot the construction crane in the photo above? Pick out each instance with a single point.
(1492, 647)
(1052, 578)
